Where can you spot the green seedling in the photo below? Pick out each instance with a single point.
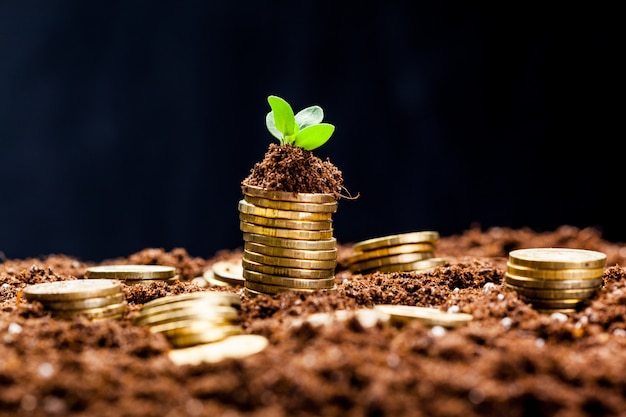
(305, 129)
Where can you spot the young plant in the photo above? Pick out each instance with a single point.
(305, 129)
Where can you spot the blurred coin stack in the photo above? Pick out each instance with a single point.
(134, 274)
(555, 279)
(97, 299)
(227, 273)
(192, 318)
(412, 251)
(288, 241)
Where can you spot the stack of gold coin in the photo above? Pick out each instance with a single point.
(192, 318)
(555, 279)
(96, 299)
(412, 251)
(288, 241)
(133, 274)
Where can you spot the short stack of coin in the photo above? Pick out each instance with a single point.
(193, 318)
(555, 279)
(96, 299)
(228, 273)
(288, 241)
(412, 251)
(134, 274)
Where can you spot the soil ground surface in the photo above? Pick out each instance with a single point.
(509, 360)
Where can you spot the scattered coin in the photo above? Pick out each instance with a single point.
(237, 346)
(423, 265)
(390, 250)
(375, 263)
(401, 314)
(229, 271)
(70, 290)
(399, 239)
(131, 272)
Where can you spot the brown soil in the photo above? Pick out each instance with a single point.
(508, 361)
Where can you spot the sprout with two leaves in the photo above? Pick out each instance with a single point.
(305, 129)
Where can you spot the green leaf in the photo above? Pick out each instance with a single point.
(271, 126)
(310, 116)
(284, 120)
(314, 136)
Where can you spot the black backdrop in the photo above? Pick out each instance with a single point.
(130, 124)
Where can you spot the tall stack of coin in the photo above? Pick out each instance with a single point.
(288, 241)
(555, 279)
(412, 251)
(192, 318)
(96, 299)
(134, 274)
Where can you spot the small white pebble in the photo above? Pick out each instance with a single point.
(15, 328)
(560, 317)
(506, 322)
(456, 289)
(437, 331)
(619, 332)
(488, 287)
(453, 309)
(540, 343)
(5, 286)
(45, 370)
(500, 296)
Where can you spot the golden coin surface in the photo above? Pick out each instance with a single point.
(391, 250)
(403, 258)
(286, 223)
(286, 233)
(209, 279)
(86, 303)
(208, 297)
(555, 274)
(288, 195)
(245, 207)
(113, 310)
(287, 272)
(207, 335)
(288, 262)
(291, 206)
(123, 272)
(229, 271)
(304, 283)
(557, 258)
(189, 304)
(275, 289)
(556, 304)
(417, 266)
(427, 315)
(237, 346)
(555, 284)
(72, 289)
(553, 294)
(133, 281)
(300, 244)
(316, 255)
(216, 314)
(426, 236)
(188, 326)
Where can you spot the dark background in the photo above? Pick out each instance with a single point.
(130, 124)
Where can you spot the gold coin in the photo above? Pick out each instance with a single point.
(554, 284)
(393, 240)
(187, 325)
(124, 272)
(86, 303)
(188, 304)
(113, 310)
(288, 262)
(222, 298)
(237, 346)
(172, 280)
(72, 290)
(404, 258)
(315, 255)
(391, 250)
(555, 274)
(287, 272)
(417, 266)
(557, 258)
(205, 336)
(251, 293)
(324, 244)
(286, 233)
(275, 289)
(216, 314)
(228, 271)
(556, 310)
(291, 206)
(304, 283)
(209, 280)
(245, 207)
(288, 195)
(427, 315)
(194, 327)
(552, 294)
(546, 304)
(286, 223)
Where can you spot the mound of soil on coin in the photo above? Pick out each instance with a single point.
(324, 357)
(291, 168)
